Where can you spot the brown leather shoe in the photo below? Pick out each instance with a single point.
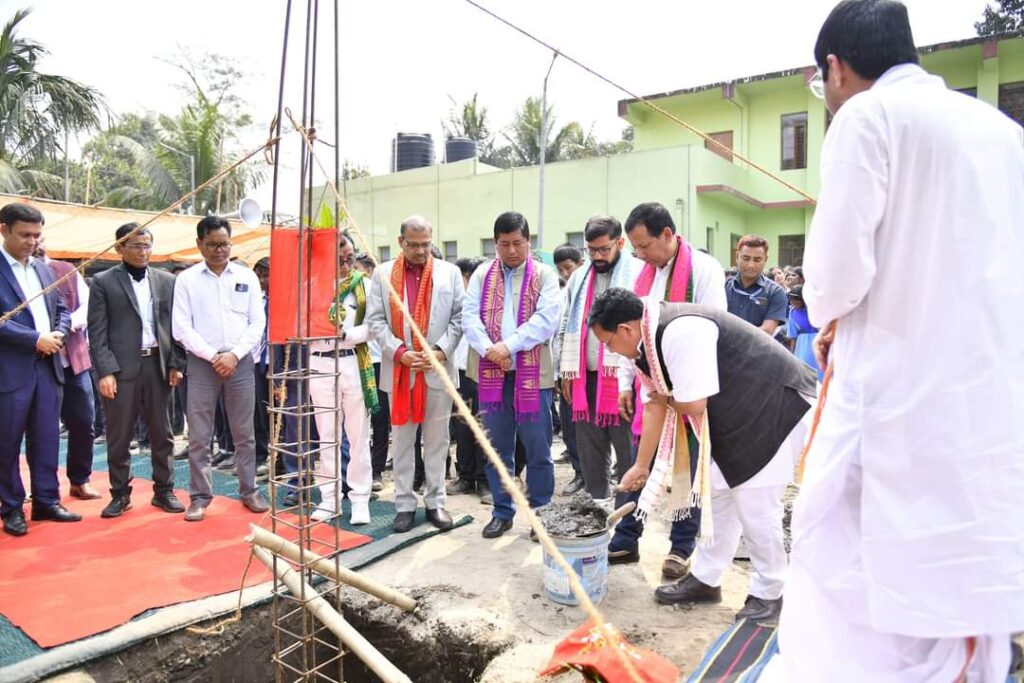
(686, 590)
(84, 491)
(675, 567)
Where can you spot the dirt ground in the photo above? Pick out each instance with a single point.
(500, 586)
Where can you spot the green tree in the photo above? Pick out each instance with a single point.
(205, 133)
(37, 113)
(470, 121)
(570, 141)
(1009, 16)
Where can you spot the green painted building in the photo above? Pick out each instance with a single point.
(773, 119)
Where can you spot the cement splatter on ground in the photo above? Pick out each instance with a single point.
(578, 516)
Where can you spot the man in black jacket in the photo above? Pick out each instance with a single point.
(138, 364)
(747, 397)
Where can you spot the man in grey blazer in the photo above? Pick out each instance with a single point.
(137, 363)
(432, 289)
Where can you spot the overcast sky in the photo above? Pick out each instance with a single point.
(403, 62)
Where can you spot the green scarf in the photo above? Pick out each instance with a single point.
(356, 283)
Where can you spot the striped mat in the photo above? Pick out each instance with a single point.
(739, 655)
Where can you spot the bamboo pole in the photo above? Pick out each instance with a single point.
(335, 623)
(275, 544)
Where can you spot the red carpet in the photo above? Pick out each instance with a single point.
(63, 582)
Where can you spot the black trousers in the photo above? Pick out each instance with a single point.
(261, 415)
(470, 461)
(380, 429)
(147, 396)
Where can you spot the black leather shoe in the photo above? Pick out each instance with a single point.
(497, 527)
(687, 589)
(404, 521)
(117, 506)
(53, 513)
(461, 485)
(759, 609)
(574, 486)
(14, 522)
(623, 557)
(168, 502)
(440, 518)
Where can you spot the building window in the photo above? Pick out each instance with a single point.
(1011, 101)
(791, 250)
(533, 242)
(385, 253)
(575, 239)
(451, 251)
(723, 138)
(487, 248)
(709, 241)
(734, 243)
(794, 141)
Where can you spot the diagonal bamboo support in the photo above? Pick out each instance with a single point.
(335, 623)
(275, 544)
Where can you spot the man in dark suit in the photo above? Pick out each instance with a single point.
(138, 364)
(31, 373)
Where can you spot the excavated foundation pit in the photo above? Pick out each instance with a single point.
(426, 647)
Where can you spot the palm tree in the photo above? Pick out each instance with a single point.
(570, 142)
(37, 112)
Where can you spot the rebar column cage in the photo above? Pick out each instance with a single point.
(304, 649)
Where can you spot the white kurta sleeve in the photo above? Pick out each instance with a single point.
(689, 347)
(839, 261)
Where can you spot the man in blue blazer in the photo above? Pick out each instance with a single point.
(31, 374)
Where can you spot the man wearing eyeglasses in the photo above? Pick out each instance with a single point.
(218, 317)
(433, 292)
(588, 370)
(752, 296)
(137, 363)
(908, 546)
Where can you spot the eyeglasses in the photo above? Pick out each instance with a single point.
(348, 260)
(418, 246)
(217, 246)
(816, 84)
(600, 251)
(139, 246)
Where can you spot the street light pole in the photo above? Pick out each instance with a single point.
(543, 150)
(191, 172)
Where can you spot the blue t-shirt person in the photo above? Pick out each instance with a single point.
(801, 331)
(762, 300)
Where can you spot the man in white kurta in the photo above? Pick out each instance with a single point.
(908, 536)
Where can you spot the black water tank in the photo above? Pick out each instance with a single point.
(457, 149)
(411, 150)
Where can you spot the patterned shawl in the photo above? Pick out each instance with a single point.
(672, 463)
(408, 400)
(356, 284)
(573, 364)
(527, 363)
(679, 289)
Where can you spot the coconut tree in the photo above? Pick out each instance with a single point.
(37, 113)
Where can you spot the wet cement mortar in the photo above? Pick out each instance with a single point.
(577, 516)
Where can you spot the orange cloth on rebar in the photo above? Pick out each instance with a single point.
(298, 305)
(401, 411)
(592, 651)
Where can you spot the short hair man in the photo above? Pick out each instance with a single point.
(218, 317)
(908, 553)
(261, 368)
(567, 258)
(702, 365)
(31, 374)
(589, 372)
(511, 314)
(138, 364)
(751, 295)
(353, 390)
(675, 272)
(433, 294)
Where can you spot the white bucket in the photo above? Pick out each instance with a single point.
(588, 557)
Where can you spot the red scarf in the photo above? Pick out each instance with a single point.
(401, 410)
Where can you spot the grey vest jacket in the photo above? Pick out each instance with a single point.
(759, 400)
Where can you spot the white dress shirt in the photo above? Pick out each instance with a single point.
(28, 280)
(216, 314)
(144, 298)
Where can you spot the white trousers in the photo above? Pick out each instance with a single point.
(354, 417)
(825, 632)
(756, 514)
